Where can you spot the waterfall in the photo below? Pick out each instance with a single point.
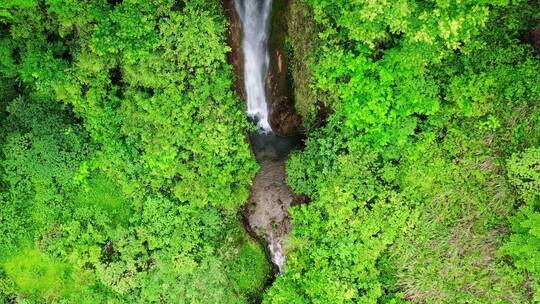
(254, 15)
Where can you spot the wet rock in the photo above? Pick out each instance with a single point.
(234, 39)
(268, 146)
(108, 249)
(284, 119)
(16, 300)
(269, 200)
(323, 113)
(532, 37)
(301, 199)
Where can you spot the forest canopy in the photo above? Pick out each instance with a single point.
(124, 163)
(424, 180)
(123, 156)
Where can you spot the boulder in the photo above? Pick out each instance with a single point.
(532, 37)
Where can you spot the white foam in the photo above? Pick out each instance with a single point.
(254, 15)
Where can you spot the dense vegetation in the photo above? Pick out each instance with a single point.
(123, 156)
(123, 159)
(425, 179)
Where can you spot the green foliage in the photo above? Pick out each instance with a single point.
(301, 42)
(410, 197)
(42, 152)
(524, 174)
(523, 244)
(163, 122)
(123, 156)
(32, 272)
(250, 270)
(102, 193)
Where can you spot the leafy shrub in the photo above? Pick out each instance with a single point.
(523, 244)
(250, 270)
(524, 174)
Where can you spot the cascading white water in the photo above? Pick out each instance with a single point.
(270, 194)
(254, 16)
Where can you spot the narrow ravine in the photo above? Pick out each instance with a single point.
(267, 209)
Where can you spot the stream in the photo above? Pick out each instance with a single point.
(267, 208)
